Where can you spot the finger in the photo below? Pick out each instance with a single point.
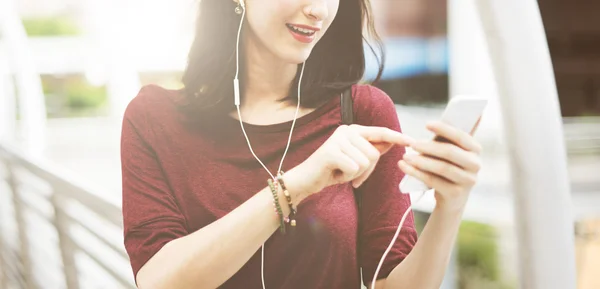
(364, 176)
(450, 153)
(368, 149)
(429, 179)
(371, 152)
(346, 166)
(382, 147)
(356, 155)
(455, 136)
(382, 134)
(444, 169)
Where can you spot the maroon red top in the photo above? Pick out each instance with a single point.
(176, 181)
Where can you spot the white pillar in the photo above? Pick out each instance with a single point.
(32, 105)
(534, 134)
(7, 100)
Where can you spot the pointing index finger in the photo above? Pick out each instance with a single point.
(383, 135)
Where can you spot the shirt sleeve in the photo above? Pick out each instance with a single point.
(151, 216)
(382, 202)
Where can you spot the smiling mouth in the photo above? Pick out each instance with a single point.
(301, 31)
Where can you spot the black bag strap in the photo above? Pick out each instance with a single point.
(347, 109)
(347, 104)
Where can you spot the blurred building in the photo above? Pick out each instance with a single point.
(415, 36)
(573, 32)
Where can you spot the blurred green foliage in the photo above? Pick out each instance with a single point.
(478, 257)
(81, 95)
(478, 250)
(71, 96)
(50, 26)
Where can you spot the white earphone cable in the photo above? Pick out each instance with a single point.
(237, 104)
(389, 248)
(280, 163)
(237, 45)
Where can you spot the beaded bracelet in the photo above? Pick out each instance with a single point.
(277, 206)
(288, 197)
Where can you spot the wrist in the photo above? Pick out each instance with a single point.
(280, 204)
(296, 186)
(450, 207)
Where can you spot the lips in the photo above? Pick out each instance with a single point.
(302, 33)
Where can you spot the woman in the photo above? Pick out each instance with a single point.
(204, 203)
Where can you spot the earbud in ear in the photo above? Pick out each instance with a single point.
(240, 9)
(241, 6)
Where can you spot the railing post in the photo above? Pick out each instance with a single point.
(64, 191)
(21, 230)
(3, 277)
(67, 248)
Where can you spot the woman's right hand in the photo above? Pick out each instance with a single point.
(349, 155)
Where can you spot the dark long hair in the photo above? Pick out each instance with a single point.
(336, 62)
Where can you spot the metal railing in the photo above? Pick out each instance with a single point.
(56, 233)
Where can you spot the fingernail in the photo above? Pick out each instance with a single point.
(409, 157)
(433, 125)
(416, 143)
(409, 139)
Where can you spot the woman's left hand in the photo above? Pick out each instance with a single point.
(449, 168)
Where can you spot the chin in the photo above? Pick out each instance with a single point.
(297, 56)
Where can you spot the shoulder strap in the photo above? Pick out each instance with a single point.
(347, 105)
(347, 109)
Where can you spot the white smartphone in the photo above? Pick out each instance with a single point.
(462, 112)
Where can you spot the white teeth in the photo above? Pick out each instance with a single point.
(303, 30)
